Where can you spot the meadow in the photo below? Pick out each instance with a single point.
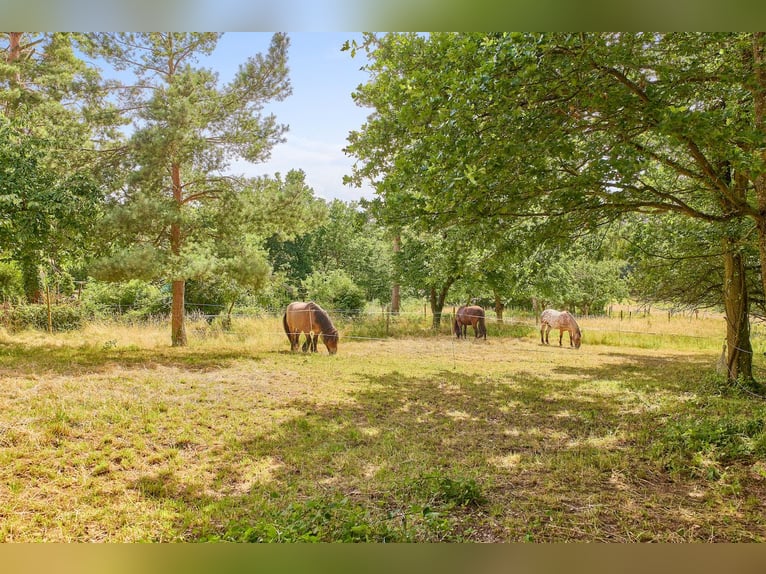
(108, 434)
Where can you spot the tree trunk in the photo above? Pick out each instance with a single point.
(178, 328)
(499, 307)
(50, 311)
(14, 46)
(30, 277)
(759, 112)
(739, 359)
(14, 54)
(437, 302)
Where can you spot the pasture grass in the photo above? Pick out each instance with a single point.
(110, 434)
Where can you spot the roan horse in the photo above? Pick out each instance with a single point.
(311, 319)
(469, 315)
(563, 321)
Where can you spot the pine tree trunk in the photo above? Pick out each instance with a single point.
(178, 328)
(14, 54)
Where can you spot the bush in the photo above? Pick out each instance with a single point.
(35, 316)
(275, 295)
(206, 298)
(11, 282)
(132, 299)
(335, 291)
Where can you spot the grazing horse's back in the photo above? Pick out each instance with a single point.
(563, 321)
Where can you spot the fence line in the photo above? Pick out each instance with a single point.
(512, 323)
(386, 313)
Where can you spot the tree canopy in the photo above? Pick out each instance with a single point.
(574, 130)
(52, 118)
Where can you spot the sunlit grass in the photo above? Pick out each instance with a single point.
(111, 434)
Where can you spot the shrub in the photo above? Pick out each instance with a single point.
(335, 291)
(206, 298)
(35, 316)
(11, 282)
(134, 299)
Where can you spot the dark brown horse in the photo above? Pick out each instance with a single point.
(469, 315)
(563, 321)
(311, 319)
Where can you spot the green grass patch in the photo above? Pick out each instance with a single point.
(399, 439)
(710, 434)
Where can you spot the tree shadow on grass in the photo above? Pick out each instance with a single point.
(647, 373)
(408, 444)
(73, 361)
(455, 456)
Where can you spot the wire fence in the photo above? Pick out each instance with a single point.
(420, 323)
(212, 311)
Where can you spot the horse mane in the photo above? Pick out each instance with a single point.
(323, 319)
(571, 317)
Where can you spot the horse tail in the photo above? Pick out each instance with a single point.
(287, 328)
(456, 327)
(482, 328)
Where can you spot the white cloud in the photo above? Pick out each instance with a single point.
(325, 164)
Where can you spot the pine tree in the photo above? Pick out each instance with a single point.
(179, 213)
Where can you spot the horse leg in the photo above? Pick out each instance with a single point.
(307, 342)
(561, 335)
(294, 340)
(314, 342)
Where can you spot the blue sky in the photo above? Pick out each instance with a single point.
(320, 111)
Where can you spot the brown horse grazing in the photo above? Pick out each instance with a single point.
(469, 315)
(563, 321)
(311, 319)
